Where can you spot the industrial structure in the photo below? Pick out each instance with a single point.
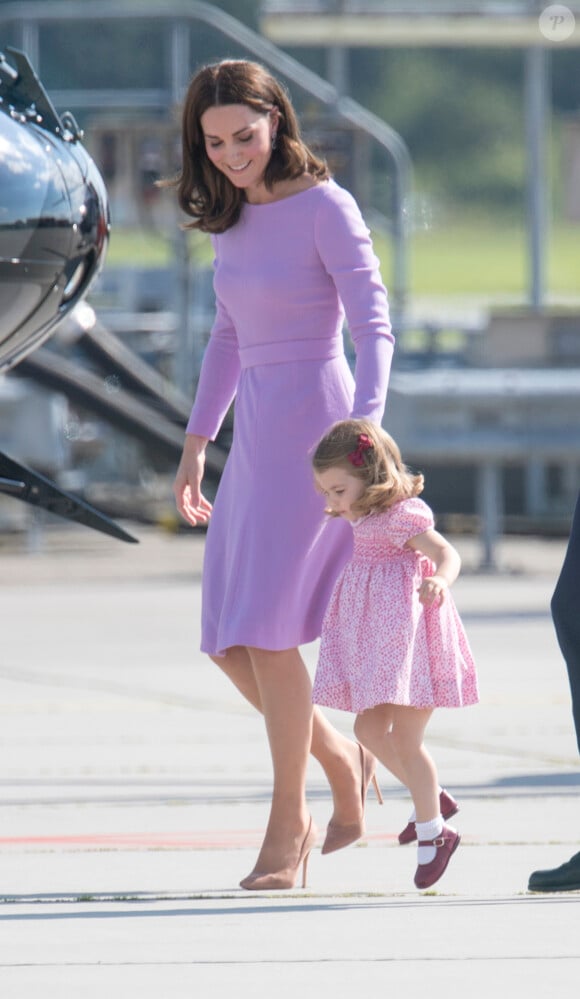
(504, 402)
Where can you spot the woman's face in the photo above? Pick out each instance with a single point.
(238, 141)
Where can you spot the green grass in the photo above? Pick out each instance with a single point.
(483, 257)
(152, 248)
(564, 259)
(487, 258)
(140, 248)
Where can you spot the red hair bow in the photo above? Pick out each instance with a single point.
(357, 457)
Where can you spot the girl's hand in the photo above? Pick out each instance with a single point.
(447, 565)
(192, 505)
(432, 589)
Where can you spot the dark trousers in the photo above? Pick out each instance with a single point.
(566, 614)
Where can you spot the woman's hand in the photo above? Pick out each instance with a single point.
(192, 505)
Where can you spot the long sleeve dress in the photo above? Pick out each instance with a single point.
(285, 275)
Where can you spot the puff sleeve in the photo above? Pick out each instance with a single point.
(408, 519)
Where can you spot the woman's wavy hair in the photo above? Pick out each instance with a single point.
(382, 470)
(203, 192)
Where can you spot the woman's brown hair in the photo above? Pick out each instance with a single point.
(370, 454)
(203, 192)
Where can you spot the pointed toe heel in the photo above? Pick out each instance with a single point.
(287, 877)
(341, 835)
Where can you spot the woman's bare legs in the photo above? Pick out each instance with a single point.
(338, 756)
(400, 748)
(284, 689)
(237, 666)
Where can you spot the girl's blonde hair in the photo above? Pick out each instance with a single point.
(370, 454)
(203, 192)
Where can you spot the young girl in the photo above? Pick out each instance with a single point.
(393, 647)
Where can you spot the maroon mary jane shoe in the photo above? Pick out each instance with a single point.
(448, 806)
(446, 845)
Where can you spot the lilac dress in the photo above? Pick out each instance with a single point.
(380, 644)
(285, 274)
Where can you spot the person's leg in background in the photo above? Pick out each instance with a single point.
(565, 608)
(566, 615)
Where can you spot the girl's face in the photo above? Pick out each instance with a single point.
(238, 141)
(341, 490)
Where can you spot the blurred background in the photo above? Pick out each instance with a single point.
(457, 127)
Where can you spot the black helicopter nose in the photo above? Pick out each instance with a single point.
(54, 218)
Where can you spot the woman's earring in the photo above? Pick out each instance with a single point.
(274, 140)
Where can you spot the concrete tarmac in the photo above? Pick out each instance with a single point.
(135, 788)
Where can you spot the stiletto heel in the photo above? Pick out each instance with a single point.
(305, 868)
(377, 789)
(338, 836)
(286, 878)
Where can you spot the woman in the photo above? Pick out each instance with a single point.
(290, 249)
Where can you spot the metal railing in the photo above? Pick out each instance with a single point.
(412, 8)
(30, 17)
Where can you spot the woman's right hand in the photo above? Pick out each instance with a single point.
(192, 505)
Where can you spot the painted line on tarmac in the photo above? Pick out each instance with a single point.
(210, 840)
(175, 841)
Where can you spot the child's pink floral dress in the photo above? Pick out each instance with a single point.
(379, 644)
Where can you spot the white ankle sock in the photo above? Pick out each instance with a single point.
(428, 830)
(413, 814)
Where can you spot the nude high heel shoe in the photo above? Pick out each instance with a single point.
(286, 878)
(338, 835)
